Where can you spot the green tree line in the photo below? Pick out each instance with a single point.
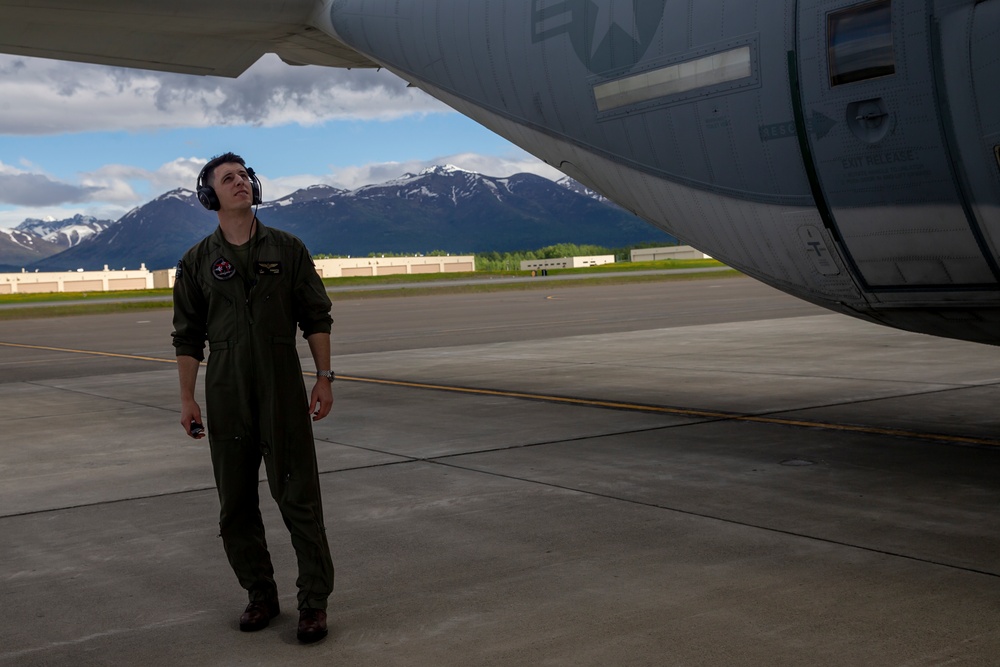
(511, 261)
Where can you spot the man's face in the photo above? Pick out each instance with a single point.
(233, 186)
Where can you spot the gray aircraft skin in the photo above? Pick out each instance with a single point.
(847, 153)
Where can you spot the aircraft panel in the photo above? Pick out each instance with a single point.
(984, 168)
(725, 223)
(675, 29)
(971, 150)
(985, 66)
(884, 162)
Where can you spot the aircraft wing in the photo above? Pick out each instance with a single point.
(213, 37)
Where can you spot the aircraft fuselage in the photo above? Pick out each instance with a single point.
(844, 152)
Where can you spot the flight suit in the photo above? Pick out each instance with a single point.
(257, 406)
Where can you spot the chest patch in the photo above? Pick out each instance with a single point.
(223, 269)
(268, 268)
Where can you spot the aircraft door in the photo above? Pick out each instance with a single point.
(983, 152)
(879, 145)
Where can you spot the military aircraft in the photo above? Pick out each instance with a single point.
(846, 152)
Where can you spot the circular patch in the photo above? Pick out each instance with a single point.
(222, 269)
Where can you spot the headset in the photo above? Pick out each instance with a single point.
(210, 200)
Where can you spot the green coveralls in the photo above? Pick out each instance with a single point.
(257, 406)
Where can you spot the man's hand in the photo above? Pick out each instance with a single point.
(191, 413)
(321, 400)
(187, 369)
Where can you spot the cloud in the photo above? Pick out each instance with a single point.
(40, 190)
(112, 190)
(350, 178)
(111, 183)
(39, 96)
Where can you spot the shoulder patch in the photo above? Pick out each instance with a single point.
(180, 269)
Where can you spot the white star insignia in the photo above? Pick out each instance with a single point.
(617, 12)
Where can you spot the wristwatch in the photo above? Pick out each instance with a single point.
(329, 375)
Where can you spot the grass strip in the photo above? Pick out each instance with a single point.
(29, 312)
(540, 284)
(622, 267)
(49, 297)
(398, 289)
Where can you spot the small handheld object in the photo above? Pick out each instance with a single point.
(197, 429)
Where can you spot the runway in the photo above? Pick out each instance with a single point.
(676, 473)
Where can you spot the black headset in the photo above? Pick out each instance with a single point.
(210, 200)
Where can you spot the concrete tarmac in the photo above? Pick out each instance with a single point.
(693, 473)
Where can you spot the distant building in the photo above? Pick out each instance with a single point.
(566, 262)
(107, 280)
(388, 266)
(668, 252)
(76, 281)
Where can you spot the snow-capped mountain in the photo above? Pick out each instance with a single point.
(34, 240)
(155, 234)
(441, 208)
(19, 249)
(312, 193)
(68, 232)
(580, 188)
(447, 208)
(458, 185)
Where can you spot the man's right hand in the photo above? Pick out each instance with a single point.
(190, 416)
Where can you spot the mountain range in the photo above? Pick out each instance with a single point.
(441, 208)
(34, 240)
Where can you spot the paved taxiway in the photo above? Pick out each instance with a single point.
(696, 473)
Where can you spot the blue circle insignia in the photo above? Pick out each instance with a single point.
(607, 35)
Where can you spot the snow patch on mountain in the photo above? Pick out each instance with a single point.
(66, 233)
(580, 188)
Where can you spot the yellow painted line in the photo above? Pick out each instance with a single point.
(688, 412)
(594, 403)
(95, 353)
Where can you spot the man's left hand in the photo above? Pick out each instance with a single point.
(321, 401)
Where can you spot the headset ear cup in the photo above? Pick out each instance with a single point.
(255, 187)
(206, 193)
(208, 198)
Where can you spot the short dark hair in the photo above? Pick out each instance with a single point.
(209, 169)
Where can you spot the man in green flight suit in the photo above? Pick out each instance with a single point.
(245, 290)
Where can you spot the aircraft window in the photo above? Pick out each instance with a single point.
(680, 78)
(859, 41)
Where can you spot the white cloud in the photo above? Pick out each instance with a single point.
(23, 188)
(112, 190)
(350, 178)
(48, 97)
(39, 96)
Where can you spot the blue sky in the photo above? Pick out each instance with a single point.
(99, 141)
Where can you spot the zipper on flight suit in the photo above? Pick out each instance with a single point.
(249, 283)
